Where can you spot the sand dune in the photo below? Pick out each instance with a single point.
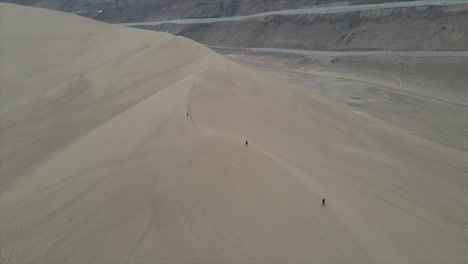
(100, 164)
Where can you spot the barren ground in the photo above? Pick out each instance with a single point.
(424, 95)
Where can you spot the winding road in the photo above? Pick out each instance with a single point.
(311, 10)
(353, 53)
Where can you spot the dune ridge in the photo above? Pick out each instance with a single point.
(100, 162)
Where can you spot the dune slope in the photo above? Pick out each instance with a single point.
(101, 164)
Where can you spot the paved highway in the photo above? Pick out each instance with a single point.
(354, 53)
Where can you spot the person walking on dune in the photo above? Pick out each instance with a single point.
(323, 201)
(246, 143)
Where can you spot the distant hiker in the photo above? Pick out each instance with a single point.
(246, 143)
(187, 114)
(323, 202)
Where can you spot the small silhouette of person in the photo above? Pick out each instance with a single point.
(246, 143)
(187, 114)
(323, 202)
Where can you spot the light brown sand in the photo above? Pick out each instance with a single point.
(416, 94)
(99, 163)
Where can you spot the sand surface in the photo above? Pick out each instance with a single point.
(416, 94)
(100, 164)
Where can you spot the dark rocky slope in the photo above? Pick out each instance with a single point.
(119, 11)
(413, 28)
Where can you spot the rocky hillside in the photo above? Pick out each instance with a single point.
(423, 28)
(411, 28)
(120, 11)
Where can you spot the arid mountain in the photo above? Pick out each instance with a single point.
(425, 28)
(413, 28)
(121, 145)
(120, 11)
